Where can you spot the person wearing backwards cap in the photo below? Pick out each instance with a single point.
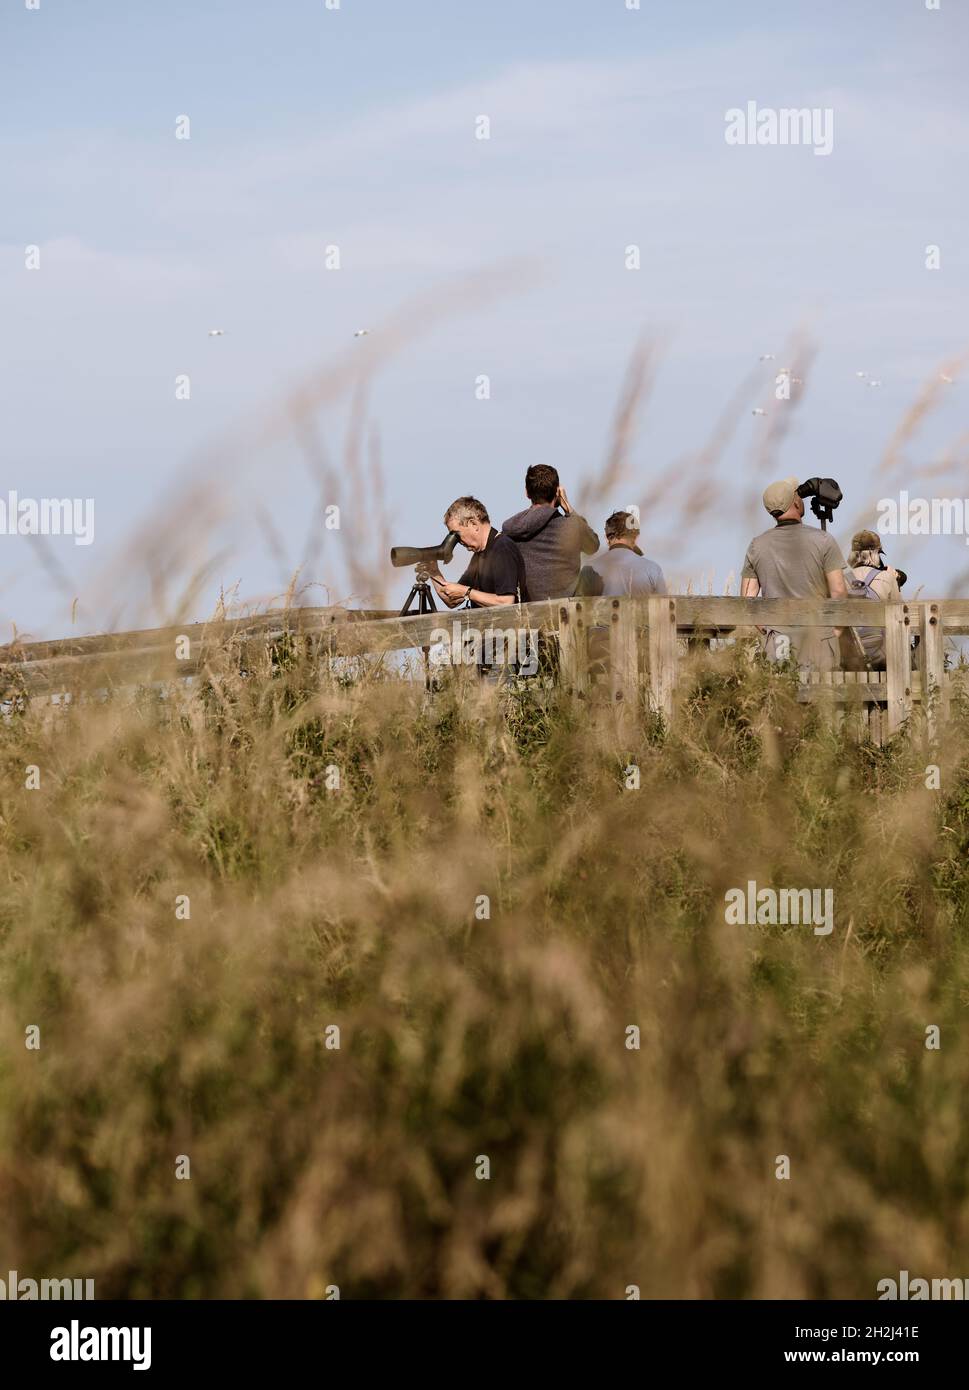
(792, 560)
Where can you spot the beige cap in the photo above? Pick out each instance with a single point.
(779, 496)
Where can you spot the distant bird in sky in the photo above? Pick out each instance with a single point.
(757, 411)
(873, 382)
(767, 357)
(216, 332)
(361, 332)
(861, 374)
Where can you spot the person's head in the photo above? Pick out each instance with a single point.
(470, 519)
(541, 483)
(866, 549)
(622, 528)
(782, 501)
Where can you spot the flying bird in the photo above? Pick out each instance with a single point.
(873, 382)
(757, 411)
(216, 332)
(767, 357)
(361, 332)
(861, 374)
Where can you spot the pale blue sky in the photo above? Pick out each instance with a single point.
(356, 127)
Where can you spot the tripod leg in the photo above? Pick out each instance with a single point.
(426, 604)
(425, 599)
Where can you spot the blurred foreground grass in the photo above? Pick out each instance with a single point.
(464, 1036)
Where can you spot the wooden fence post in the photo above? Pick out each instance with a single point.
(573, 647)
(661, 616)
(623, 656)
(898, 662)
(932, 667)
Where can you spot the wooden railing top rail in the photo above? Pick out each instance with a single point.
(718, 611)
(214, 631)
(355, 631)
(692, 611)
(703, 612)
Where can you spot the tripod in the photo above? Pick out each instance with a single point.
(824, 511)
(421, 590)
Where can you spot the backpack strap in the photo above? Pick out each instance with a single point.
(873, 575)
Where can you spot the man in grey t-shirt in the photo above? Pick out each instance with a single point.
(795, 561)
(623, 569)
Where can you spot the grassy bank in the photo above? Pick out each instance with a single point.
(483, 908)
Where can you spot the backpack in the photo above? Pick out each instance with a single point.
(872, 639)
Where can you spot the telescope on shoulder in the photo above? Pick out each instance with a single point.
(403, 555)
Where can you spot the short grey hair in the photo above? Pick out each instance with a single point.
(466, 509)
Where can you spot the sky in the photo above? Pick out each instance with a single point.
(210, 460)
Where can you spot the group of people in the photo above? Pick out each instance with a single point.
(539, 553)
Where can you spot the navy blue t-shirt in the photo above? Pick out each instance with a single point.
(498, 569)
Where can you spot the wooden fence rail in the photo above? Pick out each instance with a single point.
(636, 643)
(643, 648)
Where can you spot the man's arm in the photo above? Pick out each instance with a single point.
(588, 540)
(750, 588)
(491, 600)
(837, 588)
(453, 594)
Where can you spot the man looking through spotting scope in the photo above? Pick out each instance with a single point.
(795, 561)
(496, 573)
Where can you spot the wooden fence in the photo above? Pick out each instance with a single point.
(643, 641)
(636, 642)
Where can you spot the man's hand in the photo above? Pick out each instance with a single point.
(454, 592)
(561, 500)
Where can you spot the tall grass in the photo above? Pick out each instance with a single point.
(463, 1035)
(490, 914)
